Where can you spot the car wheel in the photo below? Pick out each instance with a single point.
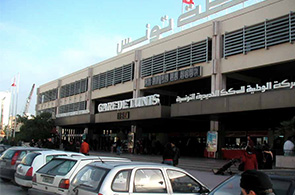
(4, 179)
(25, 188)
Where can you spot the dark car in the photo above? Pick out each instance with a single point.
(10, 159)
(283, 183)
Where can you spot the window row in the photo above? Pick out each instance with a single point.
(113, 77)
(74, 88)
(262, 35)
(47, 96)
(177, 58)
(49, 110)
(72, 107)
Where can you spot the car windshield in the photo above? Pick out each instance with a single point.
(28, 159)
(90, 177)
(232, 186)
(58, 167)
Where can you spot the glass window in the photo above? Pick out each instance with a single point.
(8, 154)
(50, 157)
(182, 183)
(149, 181)
(57, 167)
(89, 177)
(22, 155)
(121, 181)
(29, 158)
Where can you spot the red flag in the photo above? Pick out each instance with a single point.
(188, 1)
(13, 84)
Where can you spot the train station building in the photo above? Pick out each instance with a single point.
(205, 88)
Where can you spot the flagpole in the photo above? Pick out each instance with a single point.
(17, 90)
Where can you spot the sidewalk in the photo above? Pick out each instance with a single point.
(192, 163)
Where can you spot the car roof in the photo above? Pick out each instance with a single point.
(99, 158)
(25, 148)
(56, 152)
(132, 164)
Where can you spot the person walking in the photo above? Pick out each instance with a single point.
(176, 154)
(267, 158)
(249, 160)
(84, 149)
(49, 144)
(70, 147)
(255, 182)
(168, 154)
(118, 146)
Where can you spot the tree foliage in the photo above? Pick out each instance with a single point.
(39, 127)
(287, 128)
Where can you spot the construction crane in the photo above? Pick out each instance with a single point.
(28, 101)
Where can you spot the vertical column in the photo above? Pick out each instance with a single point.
(58, 95)
(217, 82)
(90, 105)
(135, 131)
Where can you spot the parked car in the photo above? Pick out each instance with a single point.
(134, 178)
(33, 161)
(3, 148)
(55, 176)
(283, 183)
(11, 158)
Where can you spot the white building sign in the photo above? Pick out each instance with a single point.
(130, 103)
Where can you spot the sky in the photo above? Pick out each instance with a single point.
(43, 40)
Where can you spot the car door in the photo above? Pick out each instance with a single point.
(182, 183)
(148, 181)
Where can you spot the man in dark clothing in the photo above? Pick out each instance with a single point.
(256, 183)
(168, 154)
(70, 147)
(176, 154)
(50, 144)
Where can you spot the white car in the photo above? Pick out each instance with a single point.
(134, 178)
(55, 176)
(32, 162)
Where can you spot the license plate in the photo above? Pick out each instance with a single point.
(47, 179)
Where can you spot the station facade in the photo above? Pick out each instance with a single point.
(231, 77)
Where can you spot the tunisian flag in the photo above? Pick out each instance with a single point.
(13, 84)
(188, 1)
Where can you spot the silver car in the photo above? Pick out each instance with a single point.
(134, 178)
(11, 158)
(55, 176)
(33, 161)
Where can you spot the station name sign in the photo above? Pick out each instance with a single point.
(191, 15)
(173, 76)
(244, 89)
(150, 100)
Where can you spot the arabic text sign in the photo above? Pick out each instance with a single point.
(192, 15)
(217, 93)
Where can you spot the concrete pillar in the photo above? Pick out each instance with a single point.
(217, 82)
(90, 105)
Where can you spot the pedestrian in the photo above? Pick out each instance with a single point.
(49, 144)
(249, 160)
(39, 143)
(176, 154)
(118, 146)
(70, 146)
(32, 143)
(84, 149)
(168, 154)
(267, 158)
(250, 143)
(289, 146)
(255, 182)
